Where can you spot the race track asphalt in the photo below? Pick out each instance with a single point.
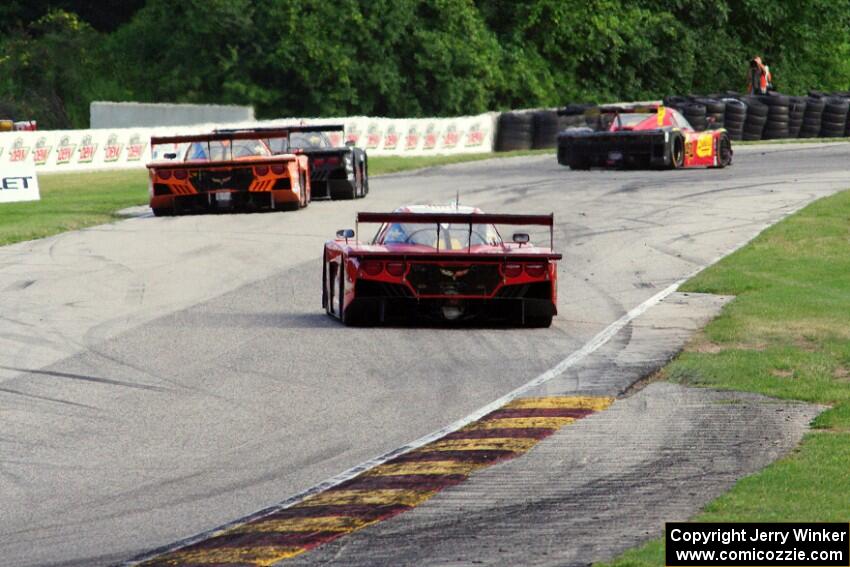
(162, 376)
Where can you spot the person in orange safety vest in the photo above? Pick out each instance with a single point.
(759, 79)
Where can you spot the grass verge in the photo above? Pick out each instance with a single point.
(785, 335)
(71, 201)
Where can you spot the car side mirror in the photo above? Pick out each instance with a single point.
(345, 233)
(521, 238)
(349, 143)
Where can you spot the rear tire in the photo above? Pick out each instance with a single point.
(162, 211)
(724, 151)
(677, 152)
(341, 307)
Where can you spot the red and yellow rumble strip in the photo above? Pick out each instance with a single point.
(388, 489)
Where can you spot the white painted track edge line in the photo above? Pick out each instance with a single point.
(576, 356)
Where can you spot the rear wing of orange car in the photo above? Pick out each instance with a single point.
(460, 218)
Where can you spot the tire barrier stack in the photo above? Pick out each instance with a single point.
(812, 117)
(547, 123)
(516, 131)
(796, 111)
(776, 126)
(715, 111)
(734, 118)
(756, 118)
(834, 118)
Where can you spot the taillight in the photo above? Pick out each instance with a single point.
(261, 170)
(278, 168)
(395, 268)
(513, 270)
(372, 267)
(164, 173)
(319, 161)
(535, 270)
(180, 174)
(333, 160)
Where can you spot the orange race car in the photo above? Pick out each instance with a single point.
(642, 137)
(225, 170)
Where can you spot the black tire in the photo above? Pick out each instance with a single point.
(545, 127)
(579, 165)
(162, 211)
(833, 117)
(677, 152)
(755, 121)
(724, 151)
(515, 131)
(341, 294)
(774, 99)
(712, 105)
(754, 106)
(302, 196)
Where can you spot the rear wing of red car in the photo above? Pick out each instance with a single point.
(461, 218)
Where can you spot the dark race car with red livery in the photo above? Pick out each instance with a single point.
(444, 264)
(652, 136)
(338, 168)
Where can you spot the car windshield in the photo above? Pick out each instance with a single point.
(454, 236)
(220, 150)
(309, 141)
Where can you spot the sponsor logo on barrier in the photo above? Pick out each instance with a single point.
(352, 133)
(65, 151)
(112, 149)
(87, 150)
(431, 136)
(41, 151)
(391, 138)
(18, 182)
(451, 137)
(135, 148)
(19, 151)
(412, 139)
(373, 137)
(475, 137)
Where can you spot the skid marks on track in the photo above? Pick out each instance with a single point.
(387, 489)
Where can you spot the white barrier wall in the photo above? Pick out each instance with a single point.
(125, 148)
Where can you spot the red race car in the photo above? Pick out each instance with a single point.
(445, 264)
(226, 170)
(642, 137)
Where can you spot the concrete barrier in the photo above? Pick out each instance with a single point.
(151, 115)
